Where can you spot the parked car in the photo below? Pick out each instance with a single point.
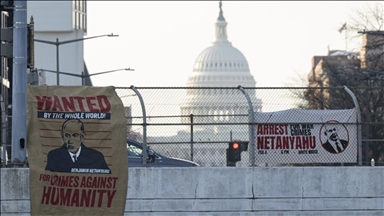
(135, 157)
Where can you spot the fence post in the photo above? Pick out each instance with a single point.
(191, 118)
(251, 126)
(145, 156)
(359, 142)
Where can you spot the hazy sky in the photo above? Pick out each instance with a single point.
(162, 39)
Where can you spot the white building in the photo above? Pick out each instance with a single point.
(65, 20)
(219, 65)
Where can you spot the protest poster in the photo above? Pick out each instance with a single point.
(76, 150)
(306, 136)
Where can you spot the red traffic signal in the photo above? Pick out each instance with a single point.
(235, 145)
(234, 152)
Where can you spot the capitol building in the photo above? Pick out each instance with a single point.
(219, 65)
(218, 107)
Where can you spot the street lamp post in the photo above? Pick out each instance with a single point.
(104, 72)
(83, 76)
(57, 43)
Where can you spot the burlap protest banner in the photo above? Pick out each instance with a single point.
(76, 150)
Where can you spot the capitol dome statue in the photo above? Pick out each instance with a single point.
(219, 65)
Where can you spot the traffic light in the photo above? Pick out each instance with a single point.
(234, 152)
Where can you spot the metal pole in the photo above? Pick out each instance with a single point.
(358, 113)
(145, 155)
(58, 43)
(82, 78)
(366, 123)
(191, 120)
(60, 72)
(57, 62)
(251, 118)
(104, 72)
(19, 83)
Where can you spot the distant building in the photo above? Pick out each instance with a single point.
(64, 20)
(219, 65)
(325, 68)
(322, 71)
(372, 50)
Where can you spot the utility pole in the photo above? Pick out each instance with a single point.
(19, 83)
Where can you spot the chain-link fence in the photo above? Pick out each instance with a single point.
(197, 124)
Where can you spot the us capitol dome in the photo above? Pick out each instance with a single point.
(219, 65)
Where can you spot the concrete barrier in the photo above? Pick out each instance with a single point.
(231, 191)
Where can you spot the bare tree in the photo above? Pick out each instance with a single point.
(369, 17)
